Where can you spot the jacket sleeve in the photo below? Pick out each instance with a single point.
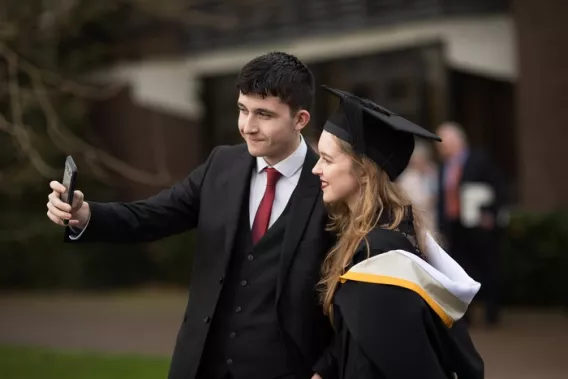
(169, 212)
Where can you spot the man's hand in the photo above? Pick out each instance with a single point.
(57, 210)
(316, 376)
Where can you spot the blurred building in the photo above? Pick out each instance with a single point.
(428, 60)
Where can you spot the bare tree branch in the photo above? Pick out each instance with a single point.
(30, 35)
(62, 84)
(62, 137)
(19, 131)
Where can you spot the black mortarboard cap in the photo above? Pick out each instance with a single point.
(374, 131)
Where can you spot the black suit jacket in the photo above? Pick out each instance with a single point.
(209, 200)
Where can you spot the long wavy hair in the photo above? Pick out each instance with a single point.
(376, 194)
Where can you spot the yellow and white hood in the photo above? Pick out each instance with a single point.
(441, 282)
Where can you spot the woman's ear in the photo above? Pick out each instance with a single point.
(364, 180)
(362, 175)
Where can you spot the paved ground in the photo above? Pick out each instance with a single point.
(529, 345)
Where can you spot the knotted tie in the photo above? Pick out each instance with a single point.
(262, 217)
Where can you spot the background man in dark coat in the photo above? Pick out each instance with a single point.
(471, 200)
(260, 229)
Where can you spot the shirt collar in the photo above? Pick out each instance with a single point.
(289, 166)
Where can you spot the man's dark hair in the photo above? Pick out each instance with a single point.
(281, 75)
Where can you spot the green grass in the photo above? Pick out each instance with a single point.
(32, 363)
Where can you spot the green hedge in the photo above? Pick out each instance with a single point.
(45, 263)
(534, 262)
(535, 259)
(33, 255)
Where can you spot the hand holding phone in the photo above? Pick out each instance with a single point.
(66, 205)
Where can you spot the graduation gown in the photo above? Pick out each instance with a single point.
(396, 316)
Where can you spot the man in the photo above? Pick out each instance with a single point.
(260, 232)
(470, 208)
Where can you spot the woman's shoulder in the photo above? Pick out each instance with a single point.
(383, 237)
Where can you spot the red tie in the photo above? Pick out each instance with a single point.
(262, 217)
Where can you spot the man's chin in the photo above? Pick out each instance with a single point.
(255, 151)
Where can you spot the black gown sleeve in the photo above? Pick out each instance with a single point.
(397, 331)
(466, 361)
(328, 365)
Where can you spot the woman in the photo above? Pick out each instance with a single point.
(394, 296)
(419, 181)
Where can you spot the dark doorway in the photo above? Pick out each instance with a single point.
(485, 107)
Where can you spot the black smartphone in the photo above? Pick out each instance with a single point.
(69, 177)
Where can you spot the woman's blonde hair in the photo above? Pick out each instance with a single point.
(377, 194)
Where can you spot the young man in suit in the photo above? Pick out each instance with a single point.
(260, 236)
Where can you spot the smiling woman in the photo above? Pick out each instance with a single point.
(335, 169)
(382, 279)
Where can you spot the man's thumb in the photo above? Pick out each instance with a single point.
(78, 199)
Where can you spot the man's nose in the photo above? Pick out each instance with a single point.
(250, 125)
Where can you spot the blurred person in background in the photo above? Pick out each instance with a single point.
(419, 181)
(471, 199)
(260, 229)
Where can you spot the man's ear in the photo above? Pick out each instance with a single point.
(302, 119)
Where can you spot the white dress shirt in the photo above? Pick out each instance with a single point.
(290, 168)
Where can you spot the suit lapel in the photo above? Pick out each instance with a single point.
(235, 186)
(303, 200)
